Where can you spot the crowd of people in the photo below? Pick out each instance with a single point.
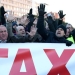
(41, 28)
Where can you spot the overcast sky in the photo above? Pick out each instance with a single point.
(68, 6)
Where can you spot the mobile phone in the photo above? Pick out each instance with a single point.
(49, 14)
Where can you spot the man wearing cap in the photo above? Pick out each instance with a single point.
(50, 37)
(58, 36)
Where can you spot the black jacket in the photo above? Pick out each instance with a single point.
(49, 37)
(52, 38)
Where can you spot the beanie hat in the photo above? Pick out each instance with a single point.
(63, 27)
(13, 24)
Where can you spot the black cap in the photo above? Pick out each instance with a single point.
(63, 27)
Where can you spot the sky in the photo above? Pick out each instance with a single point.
(67, 6)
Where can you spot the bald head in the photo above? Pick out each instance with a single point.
(20, 31)
(3, 33)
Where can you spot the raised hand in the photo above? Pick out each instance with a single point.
(30, 12)
(10, 17)
(41, 10)
(30, 15)
(33, 31)
(61, 15)
(2, 9)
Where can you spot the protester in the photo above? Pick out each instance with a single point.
(44, 27)
(3, 34)
(71, 34)
(57, 37)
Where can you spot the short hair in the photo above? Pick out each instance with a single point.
(2, 26)
(70, 25)
(18, 27)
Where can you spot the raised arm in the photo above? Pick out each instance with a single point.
(40, 24)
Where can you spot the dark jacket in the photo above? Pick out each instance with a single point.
(49, 37)
(52, 38)
(73, 34)
(37, 38)
(13, 39)
(51, 24)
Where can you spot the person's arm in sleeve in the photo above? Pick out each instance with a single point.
(40, 24)
(31, 19)
(9, 28)
(10, 18)
(50, 24)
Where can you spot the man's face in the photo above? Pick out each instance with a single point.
(68, 26)
(60, 32)
(68, 32)
(20, 31)
(3, 33)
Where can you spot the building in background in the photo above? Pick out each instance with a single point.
(36, 4)
(18, 7)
